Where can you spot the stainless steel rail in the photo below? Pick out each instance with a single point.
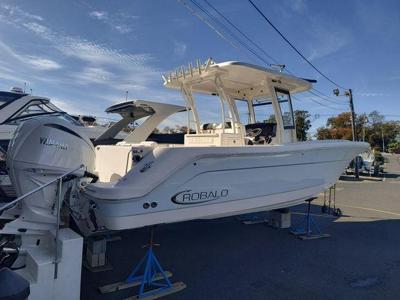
(58, 207)
(12, 203)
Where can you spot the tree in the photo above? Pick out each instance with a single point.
(181, 129)
(394, 147)
(376, 118)
(372, 128)
(382, 133)
(303, 124)
(167, 129)
(270, 119)
(340, 127)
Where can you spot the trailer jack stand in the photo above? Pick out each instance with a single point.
(327, 207)
(310, 229)
(154, 283)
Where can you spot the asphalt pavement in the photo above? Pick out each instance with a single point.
(224, 259)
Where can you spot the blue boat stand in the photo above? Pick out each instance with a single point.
(153, 282)
(310, 228)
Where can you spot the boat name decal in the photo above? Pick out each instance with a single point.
(190, 197)
(53, 143)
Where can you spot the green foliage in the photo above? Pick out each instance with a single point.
(394, 147)
(303, 124)
(379, 159)
(271, 119)
(372, 129)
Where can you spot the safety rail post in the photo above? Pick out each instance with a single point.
(58, 207)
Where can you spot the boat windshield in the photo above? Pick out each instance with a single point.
(40, 107)
(7, 97)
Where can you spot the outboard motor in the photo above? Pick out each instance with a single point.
(41, 150)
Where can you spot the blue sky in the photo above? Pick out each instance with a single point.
(86, 54)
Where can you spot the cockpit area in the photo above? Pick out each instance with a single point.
(242, 89)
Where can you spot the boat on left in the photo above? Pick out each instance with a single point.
(16, 106)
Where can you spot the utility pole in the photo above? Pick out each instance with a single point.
(349, 93)
(363, 132)
(383, 141)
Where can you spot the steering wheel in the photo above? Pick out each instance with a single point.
(253, 132)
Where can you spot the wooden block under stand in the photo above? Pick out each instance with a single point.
(280, 218)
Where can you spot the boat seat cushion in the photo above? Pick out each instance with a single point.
(267, 129)
(209, 126)
(13, 286)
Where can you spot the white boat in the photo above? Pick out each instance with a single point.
(17, 107)
(220, 170)
(369, 164)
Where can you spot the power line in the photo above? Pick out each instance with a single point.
(205, 11)
(330, 99)
(323, 96)
(322, 104)
(213, 19)
(241, 32)
(326, 99)
(293, 47)
(207, 23)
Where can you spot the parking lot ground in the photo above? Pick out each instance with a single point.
(224, 259)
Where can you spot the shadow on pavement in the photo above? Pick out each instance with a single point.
(224, 259)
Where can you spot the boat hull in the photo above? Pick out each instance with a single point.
(204, 183)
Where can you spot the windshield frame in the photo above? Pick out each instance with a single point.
(10, 98)
(16, 116)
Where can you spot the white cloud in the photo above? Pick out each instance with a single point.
(93, 75)
(115, 22)
(37, 28)
(100, 15)
(42, 63)
(97, 54)
(180, 48)
(67, 106)
(101, 64)
(38, 63)
(298, 6)
(394, 77)
(16, 12)
(371, 94)
(327, 42)
(122, 28)
(86, 50)
(87, 63)
(10, 75)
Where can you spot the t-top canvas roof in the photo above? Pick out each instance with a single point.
(138, 109)
(135, 110)
(240, 80)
